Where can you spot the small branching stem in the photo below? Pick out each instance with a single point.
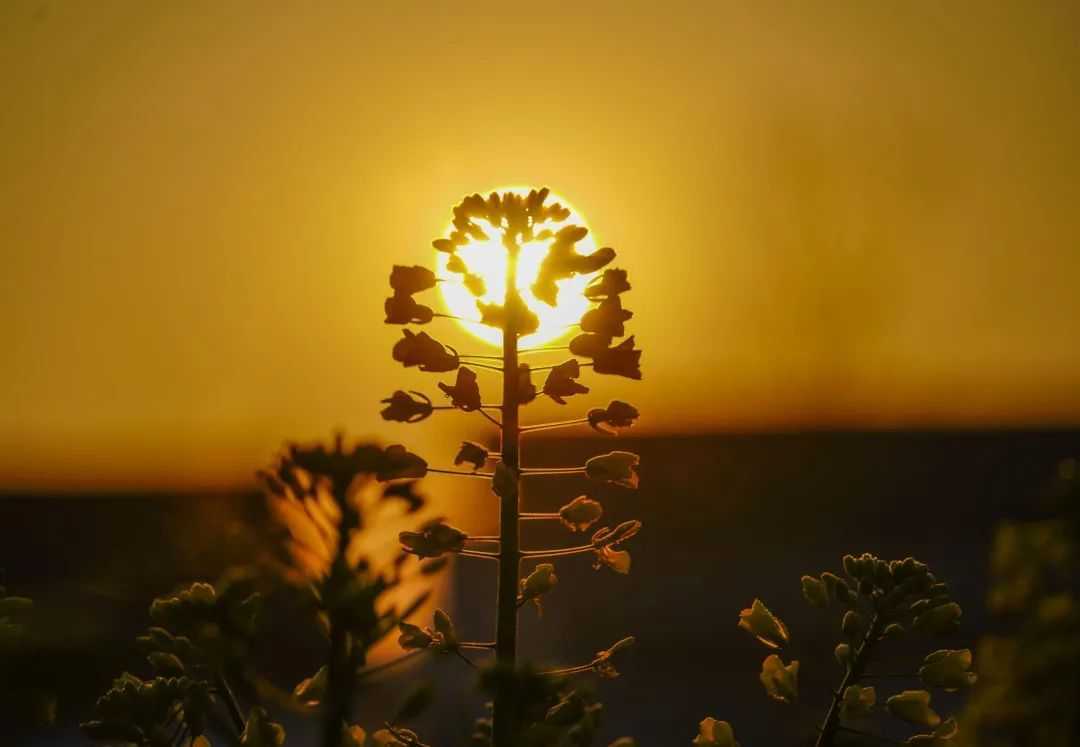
(859, 661)
(481, 646)
(461, 472)
(581, 669)
(545, 471)
(231, 703)
(493, 420)
(557, 553)
(551, 426)
(538, 517)
(478, 554)
(340, 671)
(482, 538)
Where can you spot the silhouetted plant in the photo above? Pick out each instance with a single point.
(877, 601)
(523, 702)
(202, 639)
(25, 702)
(1030, 672)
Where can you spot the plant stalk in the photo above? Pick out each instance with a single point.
(859, 660)
(509, 506)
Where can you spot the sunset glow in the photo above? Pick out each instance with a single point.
(487, 258)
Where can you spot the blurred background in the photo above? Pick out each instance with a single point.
(851, 231)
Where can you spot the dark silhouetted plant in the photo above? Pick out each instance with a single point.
(514, 220)
(876, 601)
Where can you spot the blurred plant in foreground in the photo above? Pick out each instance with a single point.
(1030, 688)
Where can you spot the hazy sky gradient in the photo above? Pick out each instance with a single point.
(863, 214)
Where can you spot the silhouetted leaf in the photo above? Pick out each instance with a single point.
(913, 706)
(403, 309)
(759, 622)
(617, 468)
(713, 733)
(852, 624)
(608, 284)
(409, 280)
(589, 345)
(419, 349)
(942, 736)
(781, 682)
(814, 592)
(413, 637)
(536, 584)
(406, 407)
(433, 540)
(465, 393)
(621, 360)
(444, 627)
(166, 664)
(615, 416)
(948, 669)
(397, 462)
(606, 319)
(858, 701)
(580, 513)
(471, 453)
(561, 381)
(475, 284)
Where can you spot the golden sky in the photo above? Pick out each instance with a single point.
(863, 214)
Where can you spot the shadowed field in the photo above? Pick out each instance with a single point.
(726, 518)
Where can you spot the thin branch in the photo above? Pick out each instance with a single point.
(486, 646)
(477, 356)
(477, 554)
(493, 420)
(558, 553)
(540, 471)
(231, 704)
(549, 426)
(482, 538)
(569, 670)
(538, 517)
(544, 349)
(486, 366)
(556, 365)
(461, 472)
(465, 658)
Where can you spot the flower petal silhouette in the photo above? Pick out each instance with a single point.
(616, 560)
(403, 407)
(618, 468)
(713, 733)
(609, 284)
(607, 537)
(398, 462)
(406, 492)
(561, 382)
(613, 417)
(409, 280)
(781, 682)
(536, 584)
(420, 349)
(580, 513)
(589, 345)
(526, 389)
(948, 669)
(621, 360)
(858, 701)
(562, 262)
(495, 315)
(465, 393)
(413, 637)
(759, 622)
(402, 309)
(913, 706)
(942, 736)
(471, 453)
(607, 318)
(433, 539)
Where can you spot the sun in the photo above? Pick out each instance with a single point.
(487, 258)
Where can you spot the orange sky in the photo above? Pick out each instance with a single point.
(862, 216)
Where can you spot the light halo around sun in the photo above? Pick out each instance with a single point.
(487, 258)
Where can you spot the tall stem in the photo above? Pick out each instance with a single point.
(859, 660)
(340, 674)
(509, 552)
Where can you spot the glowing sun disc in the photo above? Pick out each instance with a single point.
(488, 260)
